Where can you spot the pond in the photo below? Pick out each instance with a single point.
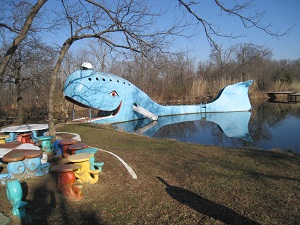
(269, 126)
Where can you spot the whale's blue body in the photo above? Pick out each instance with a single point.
(116, 97)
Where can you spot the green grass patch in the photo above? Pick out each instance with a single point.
(182, 183)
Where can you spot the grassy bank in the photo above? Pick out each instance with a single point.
(178, 183)
(190, 184)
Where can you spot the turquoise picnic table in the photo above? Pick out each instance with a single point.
(46, 142)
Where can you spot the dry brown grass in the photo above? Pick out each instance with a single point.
(178, 183)
(283, 86)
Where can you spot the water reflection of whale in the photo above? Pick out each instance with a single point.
(232, 124)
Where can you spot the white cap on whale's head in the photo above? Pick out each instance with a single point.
(86, 66)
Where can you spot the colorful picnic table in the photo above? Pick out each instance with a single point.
(46, 142)
(84, 174)
(25, 128)
(23, 163)
(64, 145)
(66, 180)
(25, 137)
(77, 146)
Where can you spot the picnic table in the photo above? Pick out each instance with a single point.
(9, 146)
(64, 145)
(25, 137)
(84, 174)
(23, 163)
(77, 146)
(46, 142)
(66, 180)
(24, 128)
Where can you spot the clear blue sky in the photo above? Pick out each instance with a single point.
(280, 14)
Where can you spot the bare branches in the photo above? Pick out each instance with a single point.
(252, 19)
(123, 25)
(208, 27)
(20, 37)
(249, 21)
(8, 27)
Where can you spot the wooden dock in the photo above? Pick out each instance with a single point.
(291, 96)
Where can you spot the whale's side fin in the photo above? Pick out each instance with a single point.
(144, 112)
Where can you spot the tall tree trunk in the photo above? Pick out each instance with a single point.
(19, 93)
(62, 54)
(20, 105)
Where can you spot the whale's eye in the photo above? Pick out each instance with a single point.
(113, 93)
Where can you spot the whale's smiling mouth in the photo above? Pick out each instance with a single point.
(101, 113)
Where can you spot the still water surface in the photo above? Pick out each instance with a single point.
(268, 126)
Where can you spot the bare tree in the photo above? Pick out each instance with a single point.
(27, 73)
(222, 59)
(21, 35)
(100, 52)
(131, 21)
(251, 57)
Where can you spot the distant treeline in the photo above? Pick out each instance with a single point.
(166, 78)
(181, 78)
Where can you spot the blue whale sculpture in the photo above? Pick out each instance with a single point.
(118, 100)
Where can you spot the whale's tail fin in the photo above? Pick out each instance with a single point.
(232, 98)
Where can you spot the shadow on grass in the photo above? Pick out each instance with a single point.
(40, 208)
(205, 206)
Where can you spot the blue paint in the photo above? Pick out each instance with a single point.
(15, 194)
(115, 98)
(232, 124)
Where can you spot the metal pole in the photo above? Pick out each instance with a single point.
(90, 114)
(73, 113)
